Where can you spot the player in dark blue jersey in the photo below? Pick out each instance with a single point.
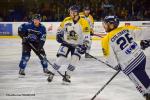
(32, 33)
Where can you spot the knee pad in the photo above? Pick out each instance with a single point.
(63, 51)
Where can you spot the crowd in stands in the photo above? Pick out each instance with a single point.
(56, 10)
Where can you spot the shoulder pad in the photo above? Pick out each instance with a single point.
(83, 19)
(67, 18)
(42, 26)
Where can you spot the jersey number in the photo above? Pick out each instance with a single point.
(124, 41)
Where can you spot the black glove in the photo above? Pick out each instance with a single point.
(144, 44)
(117, 67)
(59, 38)
(81, 49)
(91, 33)
(31, 38)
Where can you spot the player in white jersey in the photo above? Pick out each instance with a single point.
(122, 51)
(74, 36)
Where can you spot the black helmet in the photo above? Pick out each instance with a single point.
(36, 16)
(75, 8)
(112, 19)
(86, 8)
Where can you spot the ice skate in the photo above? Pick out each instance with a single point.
(66, 79)
(147, 96)
(46, 71)
(50, 77)
(21, 73)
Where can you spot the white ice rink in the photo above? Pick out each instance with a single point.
(88, 78)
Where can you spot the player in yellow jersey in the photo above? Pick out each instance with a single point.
(121, 50)
(74, 36)
(86, 14)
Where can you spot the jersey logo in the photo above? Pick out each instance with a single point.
(72, 35)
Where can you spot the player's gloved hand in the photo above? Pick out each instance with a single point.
(117, 67)
(92, 33)
(32, 38)
(144, 44)
(60, 36)
(81, 48)
(40, 51)
(60, 39)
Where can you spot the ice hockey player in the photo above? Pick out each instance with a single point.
(74, 36)
(122, 51)
(86, 14)
(144, 44)
(35, 33)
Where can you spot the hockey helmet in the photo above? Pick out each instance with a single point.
(36, 16)
(75, 8)
(112, 19)
(86, 8)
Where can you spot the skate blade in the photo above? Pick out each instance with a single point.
(94, 99)
(65, 83)
(21, 76)
(45, 74)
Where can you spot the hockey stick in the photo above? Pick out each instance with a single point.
(96, 58)
(105, 85)
(102, 62)
(98, 35)
(44, 57)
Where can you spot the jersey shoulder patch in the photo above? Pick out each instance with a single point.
(67, 19)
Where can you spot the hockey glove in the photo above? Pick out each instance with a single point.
(59, 38)
(91, 32)
(144, 44)
(81, 49)
(31, 38)
(117, 67)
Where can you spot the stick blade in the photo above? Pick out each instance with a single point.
(98, 98)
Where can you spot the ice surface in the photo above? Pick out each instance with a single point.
(88, 78)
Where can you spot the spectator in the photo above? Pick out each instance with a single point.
(56, 10)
